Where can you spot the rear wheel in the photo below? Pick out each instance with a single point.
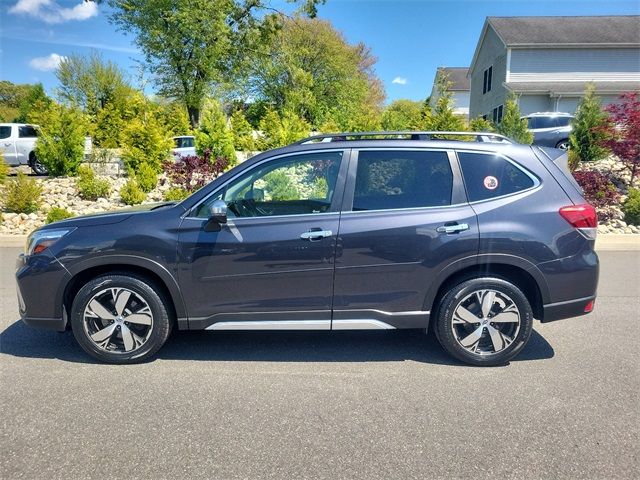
(484, 321)
(120, 318)
(37, 167)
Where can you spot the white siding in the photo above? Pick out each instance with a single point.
(574, 64)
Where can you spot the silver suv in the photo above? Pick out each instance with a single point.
(550, 129)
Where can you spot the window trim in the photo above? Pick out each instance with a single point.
(536, 180)
(458, 193)
(336, 201)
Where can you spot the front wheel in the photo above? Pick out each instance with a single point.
(563, 145)
(484, 321)
(120, 318)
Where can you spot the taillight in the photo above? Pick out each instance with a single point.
(583, 217)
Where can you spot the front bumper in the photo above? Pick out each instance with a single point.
(40, 282)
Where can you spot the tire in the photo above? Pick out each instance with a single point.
(37, 167)
(99, 318)
(484, 342)
(563, 145)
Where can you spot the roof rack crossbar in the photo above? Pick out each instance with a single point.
(426, 135)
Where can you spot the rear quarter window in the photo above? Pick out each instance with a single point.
(489, 176)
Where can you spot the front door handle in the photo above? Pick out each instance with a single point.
(458, 227)
(315, 234)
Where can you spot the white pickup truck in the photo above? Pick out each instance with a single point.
(17, 143)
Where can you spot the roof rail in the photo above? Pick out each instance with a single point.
(350, 136)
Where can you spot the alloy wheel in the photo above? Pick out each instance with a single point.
(118, 320)
(486, 322)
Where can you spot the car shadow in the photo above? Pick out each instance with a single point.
(20, 340)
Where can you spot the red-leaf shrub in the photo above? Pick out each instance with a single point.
(599, 191)
(624, 132)
(194, 171)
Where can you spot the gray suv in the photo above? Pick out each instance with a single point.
(550, 129)
(414, 230)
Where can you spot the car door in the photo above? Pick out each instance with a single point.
(27, 135)
(271, 265)
(7, 145)
(405, 219)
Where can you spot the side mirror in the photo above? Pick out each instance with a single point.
(218, 211)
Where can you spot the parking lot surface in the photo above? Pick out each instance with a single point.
(328, 405)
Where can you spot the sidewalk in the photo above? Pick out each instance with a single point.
(610, 241)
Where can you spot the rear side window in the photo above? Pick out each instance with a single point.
(490, 176)
(563, 121)
(27, 131)
(388, 179)
(5, 132)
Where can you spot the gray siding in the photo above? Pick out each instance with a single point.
(535, 103)
(574, 64)
(492, 52)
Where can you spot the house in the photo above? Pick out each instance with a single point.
(458, 86)
(547, 61)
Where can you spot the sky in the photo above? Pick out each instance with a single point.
(410, 38)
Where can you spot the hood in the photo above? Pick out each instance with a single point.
(108, 218)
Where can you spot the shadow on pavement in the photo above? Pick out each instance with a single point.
(22, 341)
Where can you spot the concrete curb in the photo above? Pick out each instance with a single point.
(605, 241)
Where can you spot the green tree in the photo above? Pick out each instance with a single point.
(479, 124)
(145, 140)
(174, 117)
(91, 83)
(18, 101)
(589, 133)
(513, 125)
(280, 130)
(191, 45)
(214, 134)
(403, 115)
(242, 132)
(311, 70)
(60, 144)
(442, 117)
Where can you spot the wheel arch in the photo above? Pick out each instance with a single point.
(81, 274)
(516, 270)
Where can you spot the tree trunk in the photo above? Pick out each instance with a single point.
(194, 116)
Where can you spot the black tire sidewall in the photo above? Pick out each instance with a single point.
(444, 319)
(147, 290)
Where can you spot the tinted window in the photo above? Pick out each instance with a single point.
(563, 121)
(489, 176)
(544, 122)
(184, 142)
(295, 185)
(402, 179)
(5, 132)
(27, 131)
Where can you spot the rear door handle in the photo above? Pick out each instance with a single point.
(315, 234)
(459, 227)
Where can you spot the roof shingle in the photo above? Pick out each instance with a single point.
(594, 30)
(458, 78)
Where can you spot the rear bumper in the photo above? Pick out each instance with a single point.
(570, 308)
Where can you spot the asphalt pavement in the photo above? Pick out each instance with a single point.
(328, 405)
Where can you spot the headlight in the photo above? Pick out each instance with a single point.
(40, 240)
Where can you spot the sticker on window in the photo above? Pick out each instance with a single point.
(490, 182)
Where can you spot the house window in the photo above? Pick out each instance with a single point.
(486, 85)
(497, 114)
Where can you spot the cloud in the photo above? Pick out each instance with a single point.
(399, 81)
(48, 63)
(50, 12)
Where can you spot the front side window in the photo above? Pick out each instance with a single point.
(490, 176)
(5, 132)
(388, 179)
(294, 185)
(563, 121)
(27, 131)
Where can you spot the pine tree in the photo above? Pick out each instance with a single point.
(589, 128)
(214, 135)
(512, 124)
